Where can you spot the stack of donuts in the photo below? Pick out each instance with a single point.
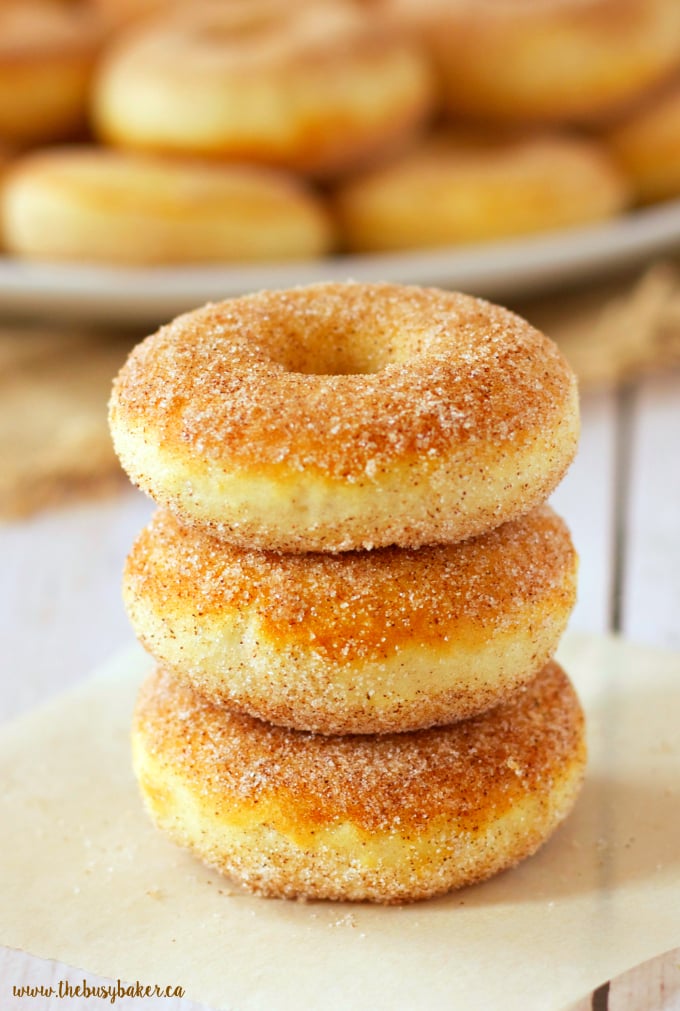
(234, 131)
(352, 588)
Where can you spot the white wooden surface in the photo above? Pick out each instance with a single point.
(651, 597)
(60, 609)
(651, 986)
(587, 499)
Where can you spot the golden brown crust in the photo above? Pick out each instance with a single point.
(48, 52)
(121, 12)
(315, 89)
(364, 642)
(459, 187)
(647, 145)
(94, 204)
(357, 605)
(562, 61)
(485, 791)
(366, 400)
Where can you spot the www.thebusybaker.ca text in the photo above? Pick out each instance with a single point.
(100, 991)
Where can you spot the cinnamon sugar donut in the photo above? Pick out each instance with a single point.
(386, 819)
(561, 61)
(47, 56)
(318, 90)
(647, 145)
(97, 205)
(342, 416)
(459, 188)
(363, 642)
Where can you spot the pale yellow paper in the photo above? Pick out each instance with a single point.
(85, 879)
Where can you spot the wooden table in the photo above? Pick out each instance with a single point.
(60, 575)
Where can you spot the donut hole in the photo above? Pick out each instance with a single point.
(327, 349)
(336, 331)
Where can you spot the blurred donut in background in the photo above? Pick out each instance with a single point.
(647, 145)
(417, 123)
(457, 187)
(48, 51)
(556, 61)
(316, 89)
(122, 12)
(94, 205)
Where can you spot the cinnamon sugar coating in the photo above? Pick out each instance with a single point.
(388, 818)
(341, 416)
(365, 642)
(344, 378)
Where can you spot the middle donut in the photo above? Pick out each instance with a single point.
(363, 642)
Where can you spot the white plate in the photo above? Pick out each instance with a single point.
(495, 270)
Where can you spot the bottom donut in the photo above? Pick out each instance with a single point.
(388, 819)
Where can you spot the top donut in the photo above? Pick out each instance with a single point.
(346, 416)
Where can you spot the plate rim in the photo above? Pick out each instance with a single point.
(492, 269)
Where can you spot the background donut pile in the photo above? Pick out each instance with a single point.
(254, 130)
(382, 724)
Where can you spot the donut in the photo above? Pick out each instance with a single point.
(456, 189)
(122, 12)
(48, 51)
(647, 145)
(564, 61)
(342, 416)
(362, 642)
(97, 205)
(387, 819)
(316, 90)
(119, 13)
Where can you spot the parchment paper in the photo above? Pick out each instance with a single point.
(85, 879)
